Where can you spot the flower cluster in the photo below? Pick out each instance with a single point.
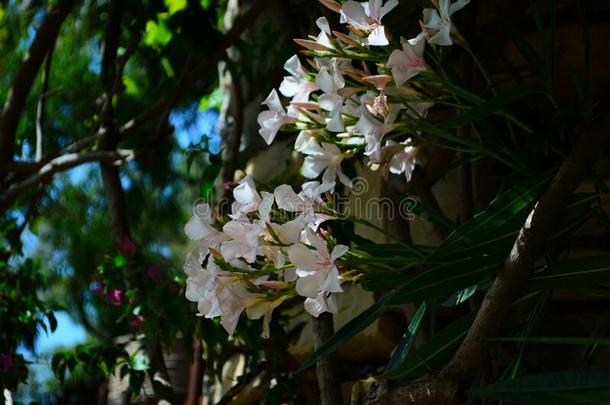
(270, 248)
(341, 106)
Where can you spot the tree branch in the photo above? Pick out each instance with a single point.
(60, 164)
(20, 88)
(529, 245)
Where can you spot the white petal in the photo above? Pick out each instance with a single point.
(308, 286)
(265, 206)
(294, 67)
(303, 258)
(323, 24)
(273, 101)
(353, 13)
(377, 37)
(287, 199)
(316, 306)
(313, 167)
(331, 283)
(290, 86)
(338, 251)
(443, 37)
(389, 6)
(246, 196)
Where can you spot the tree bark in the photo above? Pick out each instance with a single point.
(327, 368)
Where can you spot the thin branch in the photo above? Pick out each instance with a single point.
(24, 79)
(529, 245)
(42, 102)
(61, 164)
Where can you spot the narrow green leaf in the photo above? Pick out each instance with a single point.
(460, 296)
(434, 352)
(591, 386)
(403, 348)
(554, 340)
(573, 273)
(446, 279)
(484, 110)
(500, 216)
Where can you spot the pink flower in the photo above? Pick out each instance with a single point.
(136, 321)
(154, 273)
(6, 363)
(126, 247)
(115, 297)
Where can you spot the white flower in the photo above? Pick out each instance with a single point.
(316, 268)
(296, 86)
(330, 80)
(436, 24)
(248, 200)
(326, 158)
(407, 63)
(199, 228)
(367, 17)
(307, 202)
(245, 241)
(373, 131)
(201, 286)
(272, 120)
(323, 302)
(404, 161)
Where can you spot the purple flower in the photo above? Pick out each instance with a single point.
(126, 247)
(154, 273)
(6, 363)
(136, 321)
(115, 297)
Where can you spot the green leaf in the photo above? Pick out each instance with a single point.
(446, 279)
(157, 34)
(350, 330)
(403, 348)
(434, 353)
(590, 386)
(482, 111)
(212, 100)
(460, 296)
(496, 225)
(173, 6)
(119, 261)
(573, 273)
(554, 340)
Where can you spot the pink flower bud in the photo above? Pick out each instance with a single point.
(115, 297)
